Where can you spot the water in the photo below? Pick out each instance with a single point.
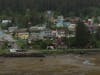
(88, 62)
(52, 65)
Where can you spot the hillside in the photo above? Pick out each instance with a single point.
(62, 6)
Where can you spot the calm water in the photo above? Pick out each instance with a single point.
(52, 65)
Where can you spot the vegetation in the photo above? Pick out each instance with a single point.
(66, 6)
(82, 35)
(3, 51)
(41, 44)
(98, 34)
(97, 37)
(24, 11)
(22, 44)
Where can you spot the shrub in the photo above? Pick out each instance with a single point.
(22, 43)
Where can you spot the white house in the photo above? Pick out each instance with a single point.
(60, 21)
(6, 21)
(72, 27)
(35, 28)
(12, 29)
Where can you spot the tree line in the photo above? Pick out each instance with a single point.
(66, 7)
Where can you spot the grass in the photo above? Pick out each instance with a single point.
(58, 51)
(66, 51)
(62, 51)
(52, 51)
(3, 51)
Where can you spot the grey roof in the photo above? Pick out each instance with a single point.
(6, 37)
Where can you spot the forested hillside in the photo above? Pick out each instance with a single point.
(74, 7)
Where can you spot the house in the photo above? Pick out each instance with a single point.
(54, 33)
(37, 28)
(12, 29)
(60, 33)
(37, 32)
(5, 38)
(71, 30)
(66, 24)
(59, 24)
(6, 21)
(60, 20)
(90, 21)
(22, 33)
(9, 38)
(2, 34)
(72, 27)
(74, 19)
(90, 24)
(47, 33)
(36, 36)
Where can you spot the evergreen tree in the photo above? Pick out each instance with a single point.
(82, 35)
(98, 34)
(97, 37)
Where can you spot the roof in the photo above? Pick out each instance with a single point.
(22, 30)
(2, 34)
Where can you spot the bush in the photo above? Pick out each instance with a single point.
(4, 45)
(97, 44)
(22, 44)
(3, 51)
(41, 44)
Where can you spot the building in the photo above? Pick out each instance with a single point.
(12, 29)
(6, 21)
(37, 28)
(60, 20)
(36, 36)
(47, 33)
(22, 33)
(72, 27)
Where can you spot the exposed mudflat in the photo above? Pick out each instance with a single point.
(51, 65)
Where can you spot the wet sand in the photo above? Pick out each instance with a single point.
(51, 65)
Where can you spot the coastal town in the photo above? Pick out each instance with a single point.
(49, 37)
(53, 33)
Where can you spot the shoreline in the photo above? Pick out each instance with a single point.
(44, 53)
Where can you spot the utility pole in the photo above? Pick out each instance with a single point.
(67, 35)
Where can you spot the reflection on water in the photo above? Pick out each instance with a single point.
(96, 70)
(88, 62)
